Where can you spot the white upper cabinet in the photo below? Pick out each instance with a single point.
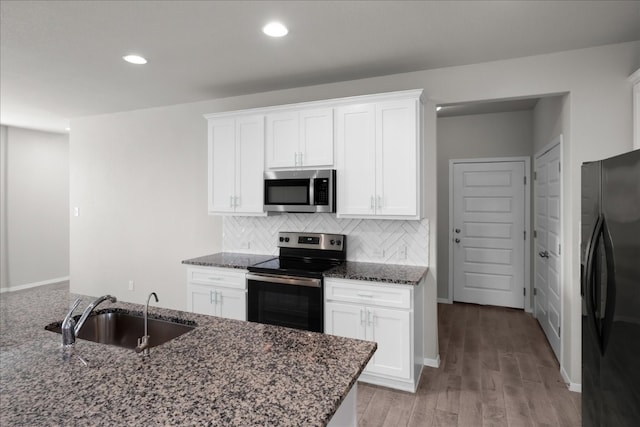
(299, 138)
(236, 164)
(378, 159)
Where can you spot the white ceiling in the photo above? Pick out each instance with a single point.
(62, 59)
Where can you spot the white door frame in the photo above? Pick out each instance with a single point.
(527, 220)
(558, 141)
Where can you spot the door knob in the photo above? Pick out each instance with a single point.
(544, 254)
(457, 230)
(457, 240)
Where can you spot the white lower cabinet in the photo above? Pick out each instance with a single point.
(390, 315)
(217, 292)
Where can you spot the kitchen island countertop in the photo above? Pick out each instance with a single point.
(223, 373)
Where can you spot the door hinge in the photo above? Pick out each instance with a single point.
(559, 249)
(535, 234)
(559, 168)
(524, 291)
(535, 175)
(558, 330)
(535, 292)
(525, 234)
(525, 180)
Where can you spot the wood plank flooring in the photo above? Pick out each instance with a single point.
(497, 369)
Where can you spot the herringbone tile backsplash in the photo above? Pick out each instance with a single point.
(368, 240)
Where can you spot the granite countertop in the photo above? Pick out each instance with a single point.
(223, 373)
(228, 260)
(386, 273)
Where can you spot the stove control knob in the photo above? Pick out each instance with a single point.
(282, 239)
(338, 242)
(333, 242)
(286, 239)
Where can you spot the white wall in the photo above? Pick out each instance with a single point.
(139, 177)
(549, 120)
(4, 277)
(472, 137)
(35, 229)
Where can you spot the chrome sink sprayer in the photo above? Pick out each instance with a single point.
(143, 342)
(70, 328)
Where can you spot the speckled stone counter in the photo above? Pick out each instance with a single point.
(223, 373)
(387, 273)
(228, 260)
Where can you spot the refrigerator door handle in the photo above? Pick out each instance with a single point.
(610, 291)
(589, 280)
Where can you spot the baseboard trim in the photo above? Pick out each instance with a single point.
(576, 387)
(444, 301)
(433, 363)
(34, 284)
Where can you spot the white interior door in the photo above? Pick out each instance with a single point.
(488, 233)
(547, 244)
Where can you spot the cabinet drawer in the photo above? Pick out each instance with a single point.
(227, 277)
(370, 293)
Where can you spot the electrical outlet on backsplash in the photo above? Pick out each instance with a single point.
(368, 240)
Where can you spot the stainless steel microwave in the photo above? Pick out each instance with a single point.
(300, 191)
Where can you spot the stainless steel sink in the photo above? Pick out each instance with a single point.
(122, 329)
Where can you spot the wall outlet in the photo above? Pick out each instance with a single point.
(131, 285)
(244, 244)
(378, 253)
(402, 252)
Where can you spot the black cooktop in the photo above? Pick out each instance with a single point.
(302, 267)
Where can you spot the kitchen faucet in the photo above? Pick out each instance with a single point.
(70, 328)
(143, 342)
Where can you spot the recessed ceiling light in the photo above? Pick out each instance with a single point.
(275, 29)
(67, 129)
(135, 59)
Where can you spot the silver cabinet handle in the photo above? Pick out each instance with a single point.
(365, 294)
(300, 154)
(212, 298)
(236, 201)
(215, 278)
(373, 203)
(362, 317)
(379, 202)
(370, 318)
(295, 159)
(230, 201)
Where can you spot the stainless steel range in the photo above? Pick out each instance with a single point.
(288, 290)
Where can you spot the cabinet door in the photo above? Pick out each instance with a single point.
(232, 303)
(221, 163)
(397, 158)
(344, 320)
(391, 329)
(356, 160)
(282, 140)
(316, 137)
(250, 165)
(201, 299)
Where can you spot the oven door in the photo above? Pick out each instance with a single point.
(294, 302)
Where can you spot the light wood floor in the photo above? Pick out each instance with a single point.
(497, 369)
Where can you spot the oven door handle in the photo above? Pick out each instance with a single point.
(285, 280)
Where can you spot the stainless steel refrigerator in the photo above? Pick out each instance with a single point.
(610, 289)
